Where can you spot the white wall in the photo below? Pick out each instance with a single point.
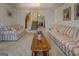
(59, 15)
(4, 18)
(49, 17)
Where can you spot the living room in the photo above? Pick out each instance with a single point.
(17, 30)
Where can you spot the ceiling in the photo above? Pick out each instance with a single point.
(43, 6)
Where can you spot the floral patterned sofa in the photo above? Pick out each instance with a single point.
(66, 38)
(11, 32)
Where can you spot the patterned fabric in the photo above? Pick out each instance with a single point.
(68, 41)
(11, 32)
(73, 32)
(8, 35)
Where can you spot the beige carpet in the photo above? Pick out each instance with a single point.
(22, 47)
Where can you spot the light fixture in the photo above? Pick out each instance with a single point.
(39, 15)
(35, 4)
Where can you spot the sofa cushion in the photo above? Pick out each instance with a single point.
(77, 34)
(55, 28)
(3, 29)
(60, 28)
(73, 32)
(59, 35)
(63, 28)
(66, 30)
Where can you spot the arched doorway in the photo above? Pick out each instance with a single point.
(26, 19)
(34, 20)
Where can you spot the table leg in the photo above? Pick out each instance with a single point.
(47, 53)
(33, 53)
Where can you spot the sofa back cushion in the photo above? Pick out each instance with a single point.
(73, 32)
(55, 28)
(63, 29)
(60, 28)
(77, 34)
(67, 30)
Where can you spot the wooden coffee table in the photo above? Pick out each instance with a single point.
(40, 46)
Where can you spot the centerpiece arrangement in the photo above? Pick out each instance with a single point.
(39, 33)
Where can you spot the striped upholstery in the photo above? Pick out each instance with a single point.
(66, 38)
(11, 32)
(8, 35)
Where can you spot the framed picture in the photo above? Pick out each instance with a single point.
(9, 13)
(67, 14)
(76, 11)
